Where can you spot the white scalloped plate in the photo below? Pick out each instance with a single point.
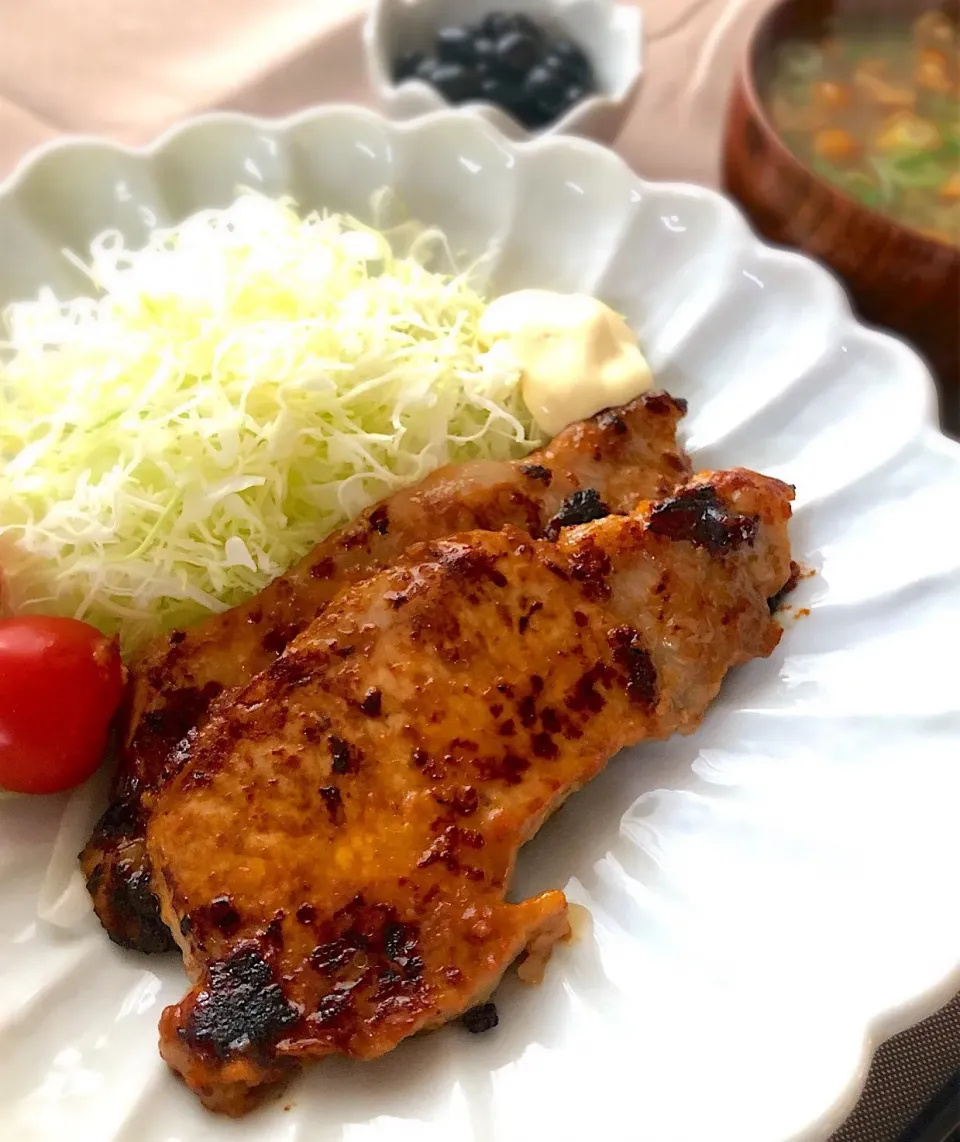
(770, 897)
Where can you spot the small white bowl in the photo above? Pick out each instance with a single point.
(609, 33)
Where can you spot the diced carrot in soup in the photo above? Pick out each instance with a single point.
(836, 145)
(933, 72)
(874, 108)
(832, 96)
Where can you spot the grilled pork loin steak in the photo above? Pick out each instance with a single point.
(335, 851)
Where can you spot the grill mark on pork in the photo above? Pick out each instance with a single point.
(408, 922)
(582, 506)
(698, 516)
(240, 1007)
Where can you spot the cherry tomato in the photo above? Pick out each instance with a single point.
(60, 684)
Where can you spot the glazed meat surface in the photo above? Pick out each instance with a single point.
(335, 852)
(606, 464)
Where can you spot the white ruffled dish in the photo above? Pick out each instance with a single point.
(770, 897)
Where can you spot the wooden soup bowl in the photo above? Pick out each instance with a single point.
(898, 278)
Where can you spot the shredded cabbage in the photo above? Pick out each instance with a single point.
(237, 389)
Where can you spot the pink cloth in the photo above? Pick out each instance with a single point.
(129, 68)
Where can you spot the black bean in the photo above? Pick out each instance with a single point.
(574, 94)
(562, 69)
(456, 82)
(572, 57)
(407, 65)
(507, 59)
(517, 52)
(495, 24)
(557, 65)
(498, 90)
(507, 95)
(484, 54)
(543, 85)
(518, 22)
(455, 45)
(535, 115)
(545, 113)
(481, 1018)
(426, 68)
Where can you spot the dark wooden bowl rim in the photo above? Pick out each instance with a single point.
(762, 36)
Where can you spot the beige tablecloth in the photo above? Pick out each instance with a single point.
(130, 68)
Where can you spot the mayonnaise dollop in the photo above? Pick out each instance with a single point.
(576, 355)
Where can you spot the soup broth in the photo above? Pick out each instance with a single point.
(876, 112)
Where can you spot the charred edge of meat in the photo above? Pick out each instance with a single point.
(344, 758)
(775, 602)
(610, 420)
(465, 800)
(333, 799)
(275, 641)
(183, 709)
(530, 509)
(224, 916)
(241, 1007)
(372, 703)
(400, 941)
(120, 819)
(537, 472)
(379, 520)
(391, 950)
(662, 403)
(323, 568)
(582, 506)
(127, 907)
(524, 621)
(481, 1018)
(634, 659)
(446, 848)
(699, 516)
(589, 566)
(469, 564)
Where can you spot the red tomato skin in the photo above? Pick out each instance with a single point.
(61, 682)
